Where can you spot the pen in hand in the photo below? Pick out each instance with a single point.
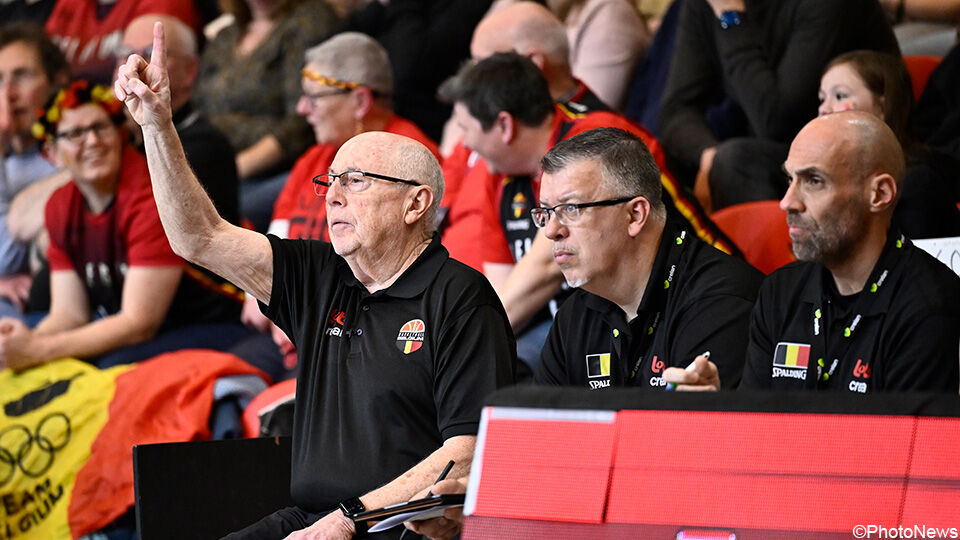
(443, 475)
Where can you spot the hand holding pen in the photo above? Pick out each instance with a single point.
(701, 375)
(443, 475)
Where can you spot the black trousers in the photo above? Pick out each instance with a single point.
(746, 170)
(279, 524)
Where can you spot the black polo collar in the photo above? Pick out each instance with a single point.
(414, 279)
(814, 292)
(602, 305)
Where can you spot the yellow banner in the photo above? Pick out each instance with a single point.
(51, 416)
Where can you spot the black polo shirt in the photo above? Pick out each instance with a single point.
(384, 378)
(900, 333)
(697, 299)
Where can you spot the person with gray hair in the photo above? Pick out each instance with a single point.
(656, 306)
(398, 344)
(347, 87)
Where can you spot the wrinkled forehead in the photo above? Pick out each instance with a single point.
(575, 182)
(821, 146)
(363, 154)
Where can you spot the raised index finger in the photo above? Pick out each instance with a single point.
(159, 55)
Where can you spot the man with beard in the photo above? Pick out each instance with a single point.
(864, 309)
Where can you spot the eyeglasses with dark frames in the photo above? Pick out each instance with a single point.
(353, 181)
(570, 212)
(78, 135)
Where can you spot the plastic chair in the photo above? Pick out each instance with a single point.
(760, 230)
(266, 401)
(920, 68)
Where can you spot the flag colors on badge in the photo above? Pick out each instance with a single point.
(410, 337)
(598, 365)
(791, 355)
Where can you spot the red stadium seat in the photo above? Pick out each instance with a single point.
(759, 229)
(920, 68)
(269, 399)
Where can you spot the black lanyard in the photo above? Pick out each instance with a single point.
(658, 302)
(882, 273)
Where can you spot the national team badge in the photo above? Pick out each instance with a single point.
(518, 204)
(598, 365)
(791, 355)
(410, 337)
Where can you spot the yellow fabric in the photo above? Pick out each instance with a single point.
(50, 418)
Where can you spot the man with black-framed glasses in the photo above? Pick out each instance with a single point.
(657, 307)
(397, 344)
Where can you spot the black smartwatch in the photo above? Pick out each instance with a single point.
(351, 507)
(730, 18)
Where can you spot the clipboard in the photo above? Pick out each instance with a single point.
(415, 508)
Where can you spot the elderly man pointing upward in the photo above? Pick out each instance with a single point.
(398, 344)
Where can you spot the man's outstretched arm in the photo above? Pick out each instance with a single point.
(195, 231)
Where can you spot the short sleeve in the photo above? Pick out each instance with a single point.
(552, 370)
(294, 263)
(54, 214)
(756, 369)
(147, 243)
(475, 356)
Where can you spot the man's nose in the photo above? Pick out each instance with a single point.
(553, 229)
(791, 200)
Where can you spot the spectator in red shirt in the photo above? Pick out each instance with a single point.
(118, 292)
(90, 32)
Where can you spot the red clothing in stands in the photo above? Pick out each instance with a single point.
(101, 247)
(298, 202)
(91, 43)
(473, 191)
(476, 232)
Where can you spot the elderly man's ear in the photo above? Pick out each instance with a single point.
(418, 205)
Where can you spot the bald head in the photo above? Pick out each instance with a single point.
(858, 141)
(525, 27)
(181, 40)
(181, 51)
(397, 156)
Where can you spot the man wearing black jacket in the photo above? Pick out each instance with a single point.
(751, 69)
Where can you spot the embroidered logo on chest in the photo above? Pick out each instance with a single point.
(410, 337)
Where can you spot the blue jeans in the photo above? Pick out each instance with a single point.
(257, 196)
(216, 336)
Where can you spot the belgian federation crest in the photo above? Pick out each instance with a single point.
(410, 337)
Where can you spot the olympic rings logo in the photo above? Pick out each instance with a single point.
(19, 446)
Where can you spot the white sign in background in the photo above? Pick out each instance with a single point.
(946, 250)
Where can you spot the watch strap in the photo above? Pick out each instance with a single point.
(351, 507)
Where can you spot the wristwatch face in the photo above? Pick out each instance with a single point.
(352, 506)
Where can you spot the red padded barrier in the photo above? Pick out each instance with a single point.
(933, 490)
(754, 470)
(546, 469)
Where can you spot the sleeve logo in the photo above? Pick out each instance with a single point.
(410, 337)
